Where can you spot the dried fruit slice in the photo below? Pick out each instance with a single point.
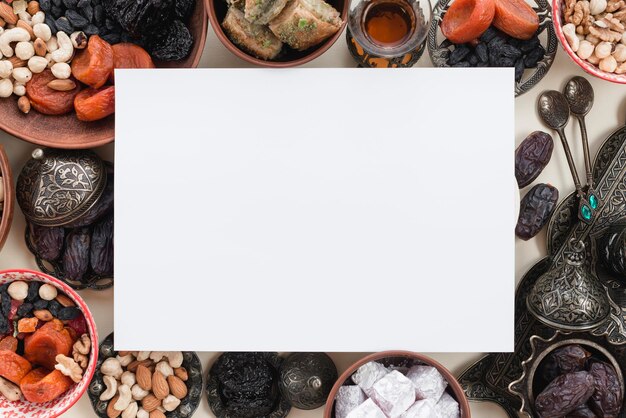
(39, 386)
(516, 18)
(13, 367)
(9, 343)
(466, 20)
(46, 343)
(95, 104)
(127, 55)
(93, 64)
(46, 100)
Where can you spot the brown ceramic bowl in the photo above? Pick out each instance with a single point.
(408, 359)
(217, 11)
(6, 216)
(67, 131)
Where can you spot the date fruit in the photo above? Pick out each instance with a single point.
(535, 210)
(532, 156)
(48, 241)
(102, 206)
(101, 256)
(582, 412)
(606, 400)
(571, 358)
(76, 255)
(565, 394)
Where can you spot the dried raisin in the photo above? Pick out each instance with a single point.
(33, 291)
(171, 44)
(536, 209)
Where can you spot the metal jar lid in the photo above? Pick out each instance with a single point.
(57, 187)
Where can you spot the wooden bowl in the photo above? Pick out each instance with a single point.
(6, 216)
(217, 9)
(67, 131)
(396, 358)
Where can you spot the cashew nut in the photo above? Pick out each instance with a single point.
(6, 69)
(142, 413)
(112, 367)
(10, 390)
(69, 367)
(22, 75)
(585, 50)
(52, 44)
(24, 50)
(165, 369)
(48, 292)
(143, 355)
(66, 49)
(41, 30)
(124, 399)
(131, 410)
(37, 64)
(175, 358)
(127, 359)
(6, 87)
(18, 290)
(138, 393)
(170, 403)
(111, 391)
(12, 35)
(608, 64)
(38, 18)
(569, 31)
(19, 89)
(129, 379)
(603, 49)
(24, 16)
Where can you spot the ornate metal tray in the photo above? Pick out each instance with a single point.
(490, 377)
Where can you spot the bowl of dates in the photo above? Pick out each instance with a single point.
(594, 36)
(278, 33)
(47, 357)
(6, 197)
(394, 383)
(57, 85)
(571, 377)
(494, 33)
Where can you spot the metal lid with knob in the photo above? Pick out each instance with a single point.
(56, 187)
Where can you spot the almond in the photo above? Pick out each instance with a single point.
(41, 49)
(160, 388)
(23, 103)
(41, 314)
(62, 85)
(65, 300)
(6, 14)
(111, 411)
(17, 63)
(135, 364)
(150, 403)
(144, 377)
(2, 23)
(157, 414)
(181, 373)
(27, 28)
(178, 388)
(32, 7)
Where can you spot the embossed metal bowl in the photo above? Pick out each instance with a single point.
(187, 407)
(529, 385)
(58, 406)
(400, 359)
(6, 214)
(438, 46)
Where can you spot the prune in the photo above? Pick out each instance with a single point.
(33, 291)
(76, 19)
(141, 17)
(172, 44)
(101, 254)
(519, 69)
(571, 358)
(534, 56)
(535, 210)
(564, 395)
(48, 241)
(481, 52)
(459, 54)
(101, 208)
(532, 156)
(76, 255)
(40, 304)
(582, 412)
(68, 313)
(5, 304)
(606, 400)
(184, 8)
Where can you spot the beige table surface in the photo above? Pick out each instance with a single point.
(607, 115)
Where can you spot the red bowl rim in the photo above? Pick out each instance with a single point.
(587, 66)
(452, 381)
(89, 373)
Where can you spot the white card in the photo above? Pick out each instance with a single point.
(314, 210)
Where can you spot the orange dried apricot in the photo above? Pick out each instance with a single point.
(9, 343)
(46, 100)
(466, 20)
(46, 343)
(39, 386)
(95, 104)
(13, 367)
(516, 18)
(127, 55)
(93, 64)
(27, 325)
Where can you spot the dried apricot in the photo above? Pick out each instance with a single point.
(516, 18)
(127, 55)
(27, 325)
(46, 343)
(46, 100)
(39, 386)
(93, 64)
(466, 20)
(95, 104)
(13, 366)
(9, 343)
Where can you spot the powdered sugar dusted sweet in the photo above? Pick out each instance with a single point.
(368, 374)
(424, 408)
(394, 394)
(428, 382)
(348, 398)
(367, 409)
(447, 407)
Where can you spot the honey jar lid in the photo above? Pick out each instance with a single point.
(57, 187)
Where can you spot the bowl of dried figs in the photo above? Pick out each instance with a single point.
(567, 376)
(57, 84)
(278, 33)
(6, 196)
(48, 345)
(394, 383)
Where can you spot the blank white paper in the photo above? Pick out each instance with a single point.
(314, 210)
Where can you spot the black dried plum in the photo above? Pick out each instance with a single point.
(534, 56)
(481, 52)
(40, 304)
(33, 291)
(64, 25)
(184, 9)
(142, 18)
(76, 255)
(172, 44)
(532, 156)
(54, 307)
(564, 395)
(48, 241)
(519, 69)
(101, 251)
(606, 400)
(459, 54)
(535, 210)
(24, 309)
(105, 203)
(76, 19)
(5, 304)
(68, 313)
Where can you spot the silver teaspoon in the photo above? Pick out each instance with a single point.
(579, 95)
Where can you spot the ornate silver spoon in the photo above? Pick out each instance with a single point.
(579, 95)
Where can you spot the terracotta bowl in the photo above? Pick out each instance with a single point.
(408, 359)
(68, 132)
(217, 9)
(6, 215)
(557, 9)
(55, 408)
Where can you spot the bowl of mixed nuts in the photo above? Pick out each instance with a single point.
(6, 197)
(593, 33)
(47, 358)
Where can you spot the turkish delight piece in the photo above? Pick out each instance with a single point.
(428, 382)
(394, 393)
(424, 408)
(447, 407)
(368, 374)
(367, 409)
(347, 399)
